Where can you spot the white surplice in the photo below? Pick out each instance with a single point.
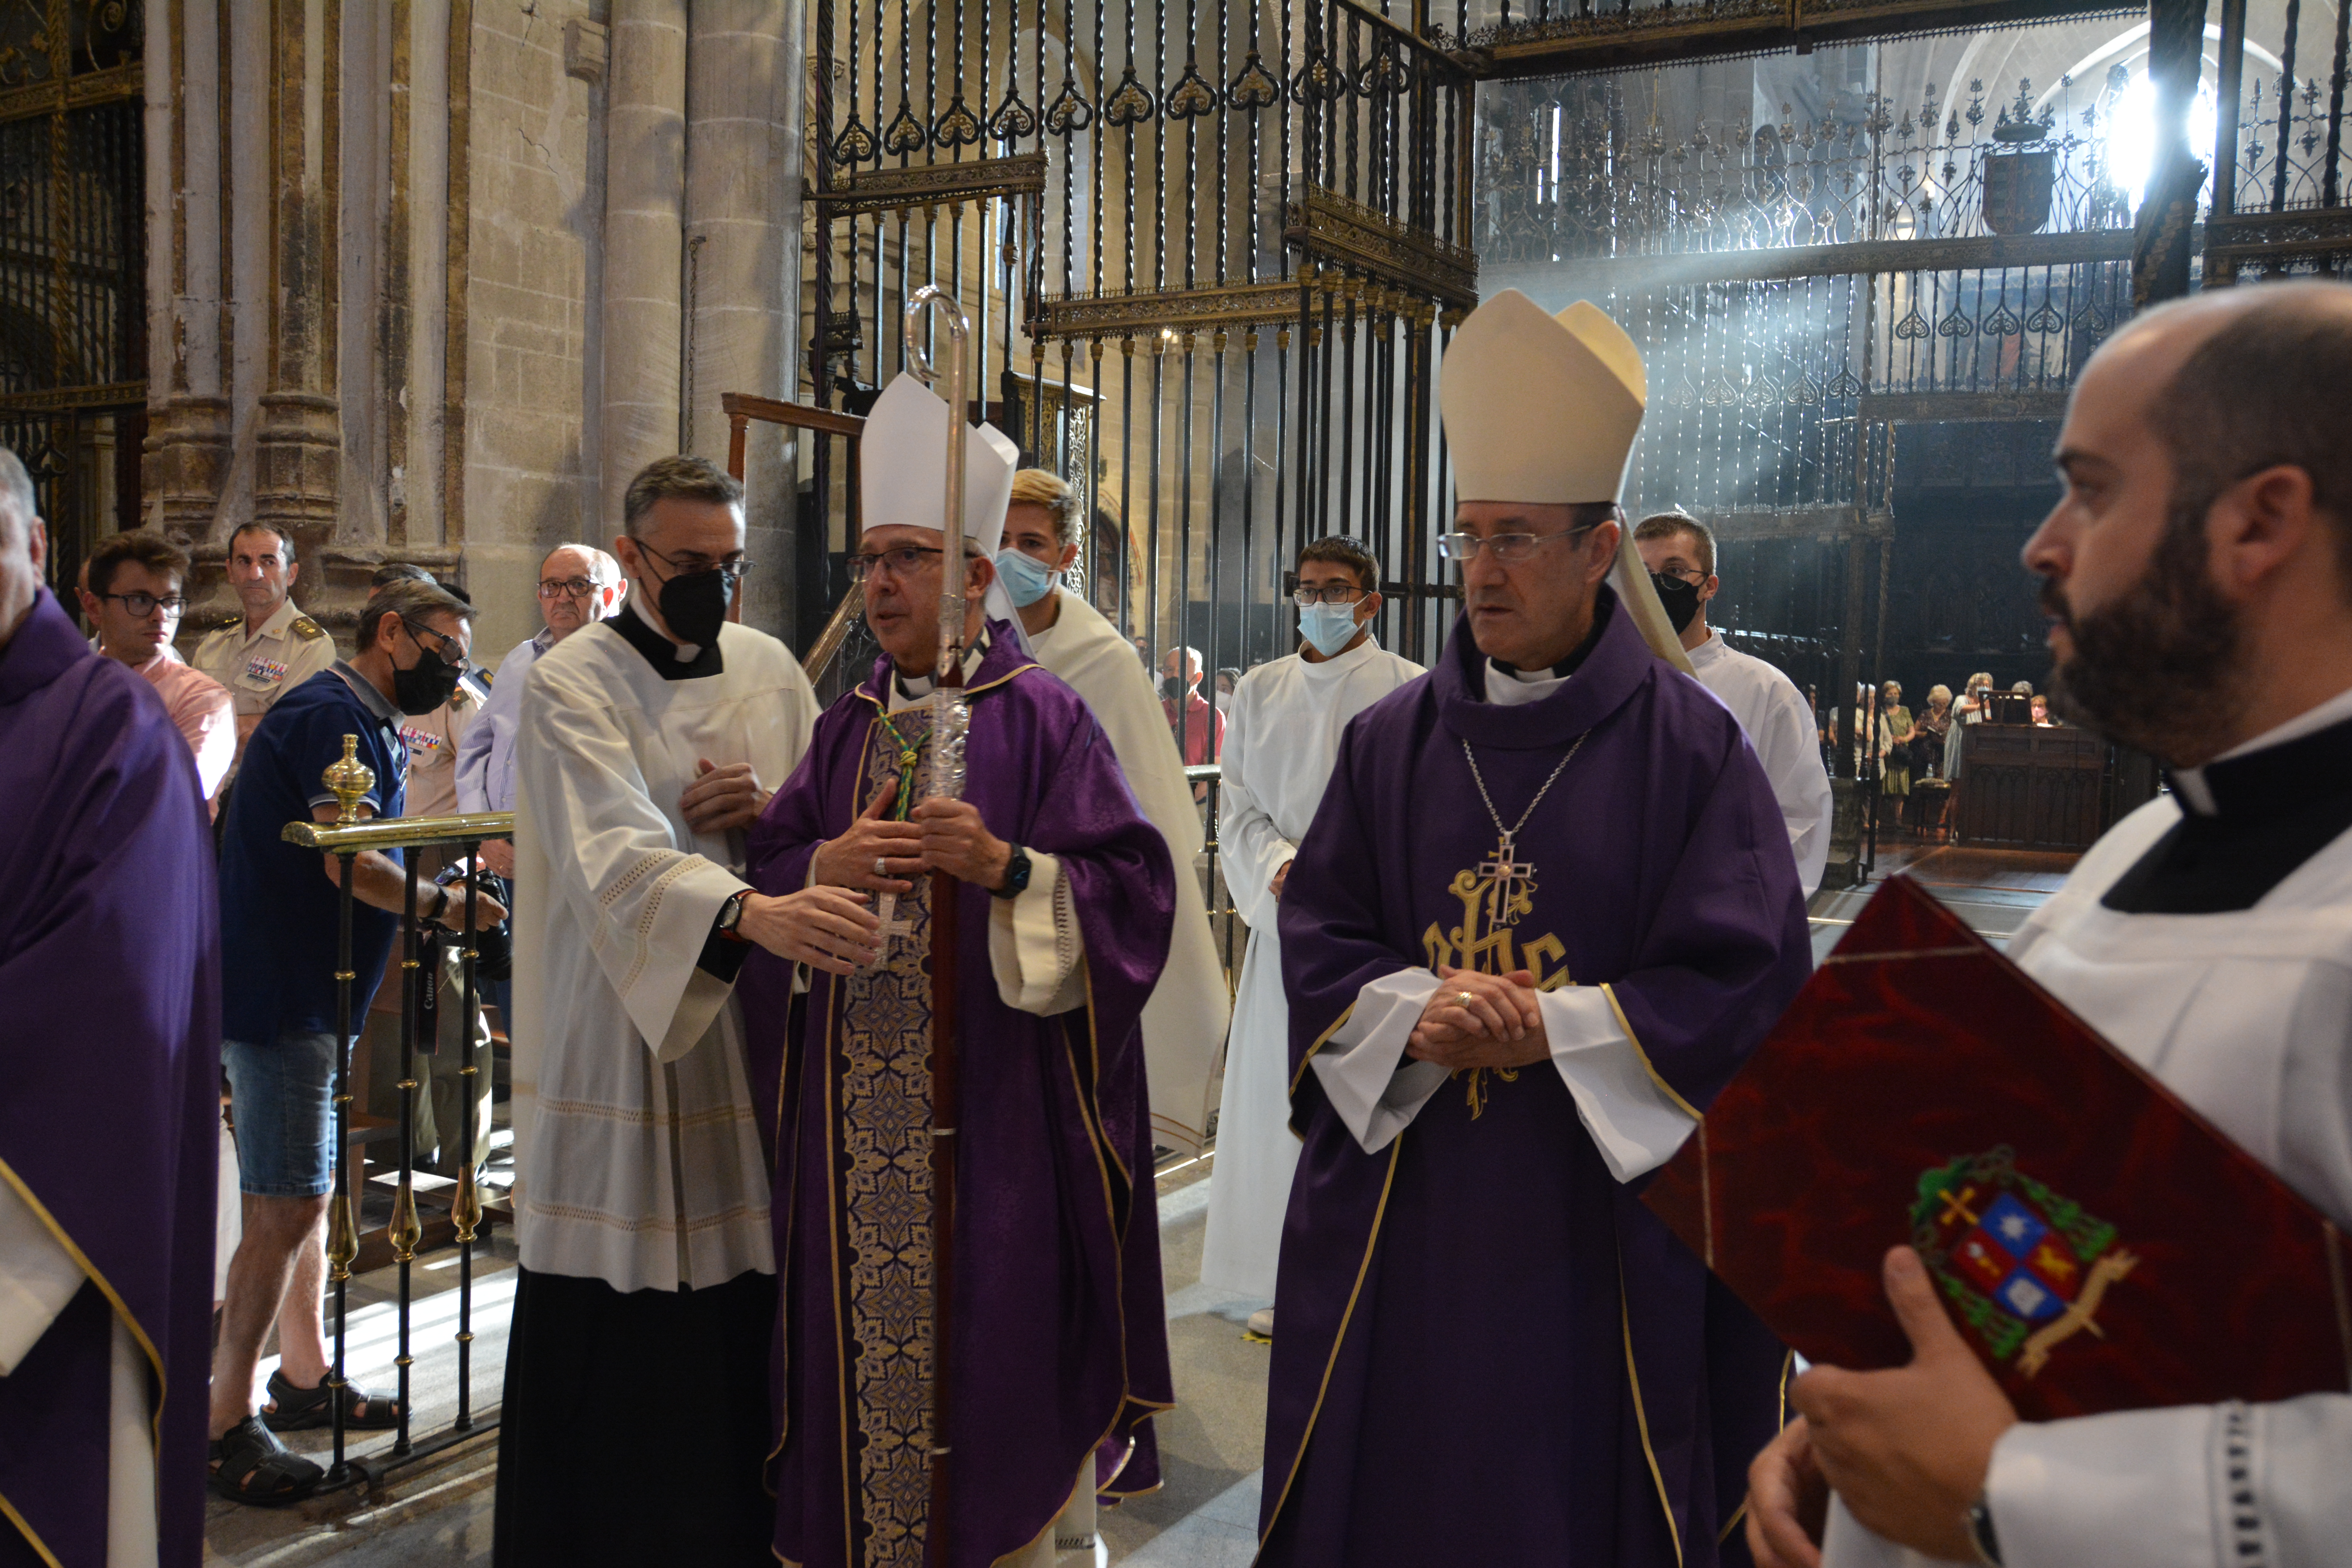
(2246, 1016)
(1282, 738)
(1779, 725)
(639, 1160)
(1184, 1022)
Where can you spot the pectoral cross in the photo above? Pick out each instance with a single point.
(892, 927)
(1508, 875)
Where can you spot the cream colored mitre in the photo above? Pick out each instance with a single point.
(1543, 410)
(902, 468)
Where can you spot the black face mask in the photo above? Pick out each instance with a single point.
(425, 685)
(1680, 599)
(694, 604)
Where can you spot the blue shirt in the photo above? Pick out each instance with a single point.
(278, 910)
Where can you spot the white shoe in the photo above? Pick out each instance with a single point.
(1262, 1321)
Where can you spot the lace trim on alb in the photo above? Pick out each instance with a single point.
(2245, 1543)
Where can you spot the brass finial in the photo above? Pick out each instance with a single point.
(466, 1208)
(349, 779)
(342, 1236)
(406, 1228)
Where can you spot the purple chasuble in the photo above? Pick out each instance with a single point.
(109, 1080)
(1061, 1346)
(1490, 1351)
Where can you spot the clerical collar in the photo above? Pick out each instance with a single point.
(1508, 686)
(2250, 819)
(2195, 789)
(910, 689)
(671, 660)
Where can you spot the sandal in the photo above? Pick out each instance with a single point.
(249, 1465)
(292, 1409)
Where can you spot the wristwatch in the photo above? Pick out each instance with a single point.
(731, 915)
(1016, 875)
(1981, 1534)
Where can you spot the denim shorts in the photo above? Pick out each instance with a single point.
(281, 1097)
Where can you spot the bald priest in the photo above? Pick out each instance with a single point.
(1066, 898)
(1547, 908)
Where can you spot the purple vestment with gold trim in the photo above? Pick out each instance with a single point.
(1060, 1334)
(1490, 1352)
(109, 1080)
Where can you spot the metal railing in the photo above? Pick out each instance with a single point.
(346, 838)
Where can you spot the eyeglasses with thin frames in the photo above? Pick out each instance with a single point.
(899, 561)
(568, 588)
(1507, 548)
(734, 567)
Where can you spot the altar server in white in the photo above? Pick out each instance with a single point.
(637, 1381)
(1184, 1022)
(2196, 575)
(1679, 551)
(1281, 737)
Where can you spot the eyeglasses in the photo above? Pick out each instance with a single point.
(1333, 595)
(1689, 575)
(143, 604)
(900, 560)
(442, 646)
(734, 567)
(568, 588)
(1507, 548)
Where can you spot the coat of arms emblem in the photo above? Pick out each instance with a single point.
(2025, 1268)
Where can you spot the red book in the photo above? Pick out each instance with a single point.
(2099, 1244)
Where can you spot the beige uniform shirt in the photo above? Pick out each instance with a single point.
(290, 649)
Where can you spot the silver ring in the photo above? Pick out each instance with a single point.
(879, 868)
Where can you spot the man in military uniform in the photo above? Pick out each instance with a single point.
(273, 647)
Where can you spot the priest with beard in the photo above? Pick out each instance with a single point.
(2198, 573)
(1065, 897)
(1545, 910)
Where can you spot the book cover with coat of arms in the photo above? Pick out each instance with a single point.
(2099, 1245)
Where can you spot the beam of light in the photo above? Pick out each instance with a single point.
(2131, 134)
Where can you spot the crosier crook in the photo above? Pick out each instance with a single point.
(950, 719)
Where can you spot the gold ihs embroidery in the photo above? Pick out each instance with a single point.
(1495, 895)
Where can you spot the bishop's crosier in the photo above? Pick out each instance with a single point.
(1546, 909)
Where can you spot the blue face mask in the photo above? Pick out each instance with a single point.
(1328, 627)
(1026, 579)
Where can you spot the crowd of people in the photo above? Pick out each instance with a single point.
(1514, 920)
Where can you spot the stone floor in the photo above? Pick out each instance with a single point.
(437, 1512)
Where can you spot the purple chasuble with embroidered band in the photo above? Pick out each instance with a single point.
(1490, 1351)
(1060, 1346)
(110, 1083)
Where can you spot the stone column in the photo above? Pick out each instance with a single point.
(190, 186)
(644, 197)
(742, 262)
(298, 448)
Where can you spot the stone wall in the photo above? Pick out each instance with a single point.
(389, 259)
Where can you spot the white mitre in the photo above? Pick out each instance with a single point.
(902, 468)
(1542, 410)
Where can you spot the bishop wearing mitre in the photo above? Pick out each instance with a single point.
(1059, 1351)
(1546, 909)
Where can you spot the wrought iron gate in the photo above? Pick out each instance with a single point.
(73, 259)
(1214, 247)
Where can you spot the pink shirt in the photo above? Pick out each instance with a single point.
(205, 712)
